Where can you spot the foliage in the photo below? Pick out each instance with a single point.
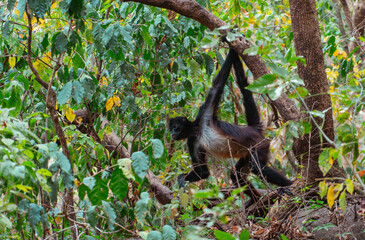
(133, 67)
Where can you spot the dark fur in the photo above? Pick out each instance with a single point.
(207, 134)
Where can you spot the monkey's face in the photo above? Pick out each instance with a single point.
(179, 128)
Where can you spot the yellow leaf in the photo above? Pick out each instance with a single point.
(116, 100)
(70, 115)
(77, 182)
(23, 188)
(12, 61)
(277, 20)
(109, 104)
(104, 81)
(184, 199)
(331, 196)
(336, 53)
(322, 189)
(44, 172)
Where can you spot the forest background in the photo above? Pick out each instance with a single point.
(87, 89)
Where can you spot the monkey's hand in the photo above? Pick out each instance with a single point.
(284, 190)
(181, 180)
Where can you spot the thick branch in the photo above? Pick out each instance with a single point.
(187, 8)
(346, 10)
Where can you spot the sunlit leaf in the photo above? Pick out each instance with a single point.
(220, 235)
(109, 104)
(322, 189)
(331, 196)
(12, 61)
(116, 100)
(349, 186)
(70, 115)
(244, 235)
(342, 201)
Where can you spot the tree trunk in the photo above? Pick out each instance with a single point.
(307, 42)
(358, 25)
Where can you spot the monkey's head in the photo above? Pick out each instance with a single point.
(180, 128)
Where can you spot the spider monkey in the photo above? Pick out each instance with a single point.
(208, 135)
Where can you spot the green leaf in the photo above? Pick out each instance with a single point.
(342, 200)
(39, 7)
(78, 92)
(110, 213)
(324, 161)
(322, 189)
(140, 164)
(6, 168)
(186, 42)
(275, 92)
(21, 7)
(99, 192)
(63, 162)
(168, 233)
(244, 235)
(60, 42)
(154, 235)
(209, 64)
(220, 235)
(184, 199)
(141, 207)
(118, 184)
(146, 36)
(89, 182)
(195, 68)
(157, 147)
(78, 58)
(278, 70)
(125, 165)
(108, 34)
(65, 94)
(35, 213)
(260, 84)
(89, 87)
(349, 186)
(126, 34)
(4, 223)
(11, 4)
(91, 216)
(342, 117)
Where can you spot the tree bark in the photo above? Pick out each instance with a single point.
(358, 25)
(307, 42)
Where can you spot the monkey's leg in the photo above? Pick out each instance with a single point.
(257, 162)
(198, 173)
(239, 178)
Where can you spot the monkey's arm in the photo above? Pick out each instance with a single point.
(198, 159)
